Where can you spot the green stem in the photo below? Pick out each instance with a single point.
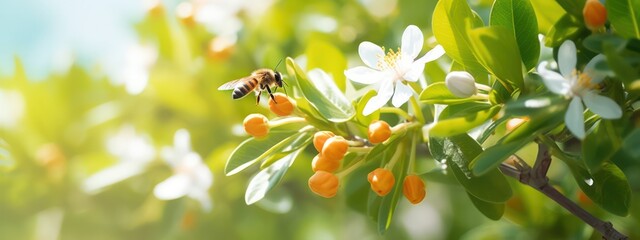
(412, 154)
(397, 111)
(288, 120)
(417, 110)
(359, 149)
(350, 169)
(395, 157)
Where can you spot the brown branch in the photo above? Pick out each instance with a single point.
(536, 177)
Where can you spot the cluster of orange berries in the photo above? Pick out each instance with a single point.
(331, 150)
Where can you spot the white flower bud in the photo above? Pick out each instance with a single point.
(461, 84)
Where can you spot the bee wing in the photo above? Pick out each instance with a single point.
(231, 84)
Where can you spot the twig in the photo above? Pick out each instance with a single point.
(536, 177)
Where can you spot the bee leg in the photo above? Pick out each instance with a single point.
(271, 94)
(258, 97)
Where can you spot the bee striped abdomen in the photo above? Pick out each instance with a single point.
(243, 89)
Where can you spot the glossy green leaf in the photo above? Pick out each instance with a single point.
(323, 95)
(539, 122)
(323, 55)
(439, 175)
(493, 211)
(624, 16)
(269, 177)
(451, 21)
(497, 50)
(608, 188)
(287, 146)
(490, 187)
(599, 145)
(459, 125)
(565, 28)
(621, 67)
(461, 110)
(573, 7)
(547, 13)
(438, 93)
(496, 154)
(520, 19)
(596, 42)
(631, 143)
(252, 150)
(530, 105)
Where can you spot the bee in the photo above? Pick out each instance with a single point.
(258, 81)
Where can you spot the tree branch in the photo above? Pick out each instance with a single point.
(536, 177)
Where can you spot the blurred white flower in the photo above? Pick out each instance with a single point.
(392, 69)
(12, 105)
(221, 16)
(580, 87)
(134, 152)
(191, 175)
(133, 73)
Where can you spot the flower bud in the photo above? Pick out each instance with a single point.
(320, 138)
(335, 148)
(282, 106)
(185, 11)
(381, 181)
(595, 14)
(324, 184)
(256, 125)
(461, 84)
(379, 131)
(320, 163)
(413, 189)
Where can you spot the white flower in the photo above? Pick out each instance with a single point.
(191, 176)
(390, 70)
(133, 71)
(579, 87)
(461, 84)
(134, 152)
(13, 106)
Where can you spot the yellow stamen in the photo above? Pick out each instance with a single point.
(389, 60)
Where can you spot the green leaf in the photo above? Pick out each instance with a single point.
(451, 19)
(287, 146)
(323, 95)
(624, 16)
(439, 175)
(519, 18)
(631, 143)
(530, 105)
(609, 187)
(323, 55)
(539, 122)
(596, 42)
(252, 150)
(490, 187)
(459, 125)
(573, 7)
(266, 179)
(565, 28)
(600, 145)
(621, 67)
(438, 93)
(547, 13)
(493, 211)
(497, 50)
(461, 110)
(496, 154)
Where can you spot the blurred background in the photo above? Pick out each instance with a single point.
(92, 94)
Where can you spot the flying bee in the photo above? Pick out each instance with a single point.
(258, 81)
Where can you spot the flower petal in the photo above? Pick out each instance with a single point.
(432, 54)
(415, 70)
(363, 75)
(574, 118)
(596, 75)
(174, 187)
(567, 58)
(601, 105)
(412, 41)
(384, 94)
(370, 54)
(401, 95)
(553, 81)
